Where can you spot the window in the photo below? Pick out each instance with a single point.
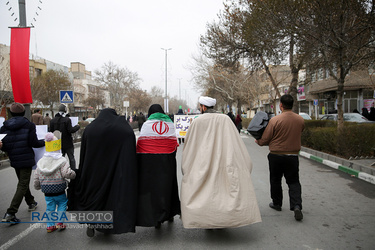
(92, 89)
(368, 94)
(38, 72)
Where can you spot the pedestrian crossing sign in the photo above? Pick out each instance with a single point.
(66, 96)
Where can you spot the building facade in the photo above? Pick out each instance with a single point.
(316, 91)
(82, 85)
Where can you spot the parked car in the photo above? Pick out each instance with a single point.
(348, 117)
(90, 119)
(270, 115)
(305, 116)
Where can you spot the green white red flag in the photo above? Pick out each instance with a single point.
(157, 136)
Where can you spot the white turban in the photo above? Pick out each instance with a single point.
(207, 101)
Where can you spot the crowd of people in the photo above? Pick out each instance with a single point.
(137, 179)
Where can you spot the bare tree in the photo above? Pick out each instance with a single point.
(343, 36)
(6, 94)
(118, 81)
(238, 35)
(46, 87)
(157, 95)
(139, 100)
(231, 85)
(95, 99)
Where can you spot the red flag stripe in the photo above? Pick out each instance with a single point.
(157, 145)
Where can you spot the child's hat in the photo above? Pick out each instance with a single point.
(53, 141)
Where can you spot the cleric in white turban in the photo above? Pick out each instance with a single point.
(207, 101)
(216, 187)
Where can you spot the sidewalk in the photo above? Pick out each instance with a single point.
(360, 168)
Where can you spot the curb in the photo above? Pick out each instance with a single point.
(354, 173)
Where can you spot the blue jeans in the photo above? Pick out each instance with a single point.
(59, 201)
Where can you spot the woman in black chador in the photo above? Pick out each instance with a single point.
(107, 175)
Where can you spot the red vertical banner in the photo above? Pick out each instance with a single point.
(19, 64)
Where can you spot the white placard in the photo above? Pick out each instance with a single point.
(74, 120)
(182, 124)
(41, 131)
(2, 120)
(2, 136)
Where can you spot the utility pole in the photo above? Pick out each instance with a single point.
(166, 108)
(22, 13)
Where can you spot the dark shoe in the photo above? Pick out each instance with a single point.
(11, 218)
(33, 206)
(298, 213)
(276, 207)
(90, 231)
(158, 225)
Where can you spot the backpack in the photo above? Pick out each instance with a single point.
(258, 124)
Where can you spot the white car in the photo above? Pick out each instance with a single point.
(90, 119)
(305, 116)
(348, 117)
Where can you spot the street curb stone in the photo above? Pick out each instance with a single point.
(359, 172)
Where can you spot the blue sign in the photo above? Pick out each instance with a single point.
(66, 96)
(315, 102)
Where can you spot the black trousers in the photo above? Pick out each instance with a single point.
(287, 166)
(70, 153)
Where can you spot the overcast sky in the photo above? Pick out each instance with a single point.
(129, 33)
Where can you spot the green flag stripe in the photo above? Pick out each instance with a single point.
(160, 116)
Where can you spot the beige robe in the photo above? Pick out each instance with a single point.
(216, 189)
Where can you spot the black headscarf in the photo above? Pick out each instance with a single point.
(155, 108)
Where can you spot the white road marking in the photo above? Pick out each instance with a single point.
(17, 238)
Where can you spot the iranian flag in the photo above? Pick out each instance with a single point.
(157, 136)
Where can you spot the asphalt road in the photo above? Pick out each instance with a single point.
(338, 214)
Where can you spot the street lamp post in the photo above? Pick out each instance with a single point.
(166, 107)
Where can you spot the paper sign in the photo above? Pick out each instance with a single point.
(2, 136)
(74, 120)
(41, 131)
(2, 120)
(182, 124)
